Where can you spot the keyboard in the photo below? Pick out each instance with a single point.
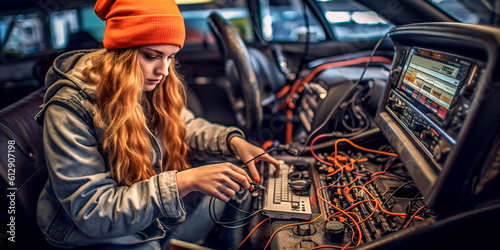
(280, 200)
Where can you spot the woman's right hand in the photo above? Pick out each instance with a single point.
(222, 180)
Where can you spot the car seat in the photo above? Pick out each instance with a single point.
(23, 173)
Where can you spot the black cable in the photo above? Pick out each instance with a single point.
(351, 233)
(385, 148)
(347, 114)
(397, 189)
(286, 148)
(351, 109)
(239, 209)
(409, 209)
(381, 158)
(359, 119)
(341, 173)
(213, 216)
(332, 111)
(265, 152)
(363, 117)
(211, 206)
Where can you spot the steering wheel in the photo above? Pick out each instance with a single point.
(245, 87)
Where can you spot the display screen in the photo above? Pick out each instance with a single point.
(432, 80)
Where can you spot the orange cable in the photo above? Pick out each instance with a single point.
(282, 92)
(314, 154)
(267, 144)
(361, 148)
(414, 216)
(353, 206)
(379, 205)
(335, 171)
(296, 87)
(289, 225)
(324, 246)
(289, 127)
(379, 174)
(251, 232)
(318, 194)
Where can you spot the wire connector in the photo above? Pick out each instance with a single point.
(289, 150)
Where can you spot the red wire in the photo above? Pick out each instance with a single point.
(298, 85)
(251, 232)
(413, 216)
(314, 154)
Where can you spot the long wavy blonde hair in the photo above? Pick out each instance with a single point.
(128, 116)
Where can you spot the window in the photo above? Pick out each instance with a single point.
(29, 34)
(195, 13)
(90, 23)
(284, 21)
(62, 23)
(22, 34)
(351, 21)
(457, 10)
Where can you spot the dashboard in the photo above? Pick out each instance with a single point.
(440, 108)
(428, 145)
(437, 107)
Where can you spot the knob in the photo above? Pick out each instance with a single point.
(306, 243)
(334, 231)
(304, 229)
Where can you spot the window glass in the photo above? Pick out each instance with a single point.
(62, 23)
(457, 10)
(22, 34)
(195, 13)
(351, 21)
(5, 22)
(284, 21)
(90, 23)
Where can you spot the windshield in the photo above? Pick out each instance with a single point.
(195, 14)
(471, 11)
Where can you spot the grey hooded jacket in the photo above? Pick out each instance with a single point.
(81, 204)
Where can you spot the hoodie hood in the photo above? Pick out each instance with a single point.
(66, 71)
(67, 86)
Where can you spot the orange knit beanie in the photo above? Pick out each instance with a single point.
(131, 23)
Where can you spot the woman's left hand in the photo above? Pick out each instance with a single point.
(246, 151)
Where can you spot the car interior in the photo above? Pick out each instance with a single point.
(385, 116)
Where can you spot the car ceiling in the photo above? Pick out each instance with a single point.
(44, 5)
(414, 11)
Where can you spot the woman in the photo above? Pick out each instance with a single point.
(117, 136)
